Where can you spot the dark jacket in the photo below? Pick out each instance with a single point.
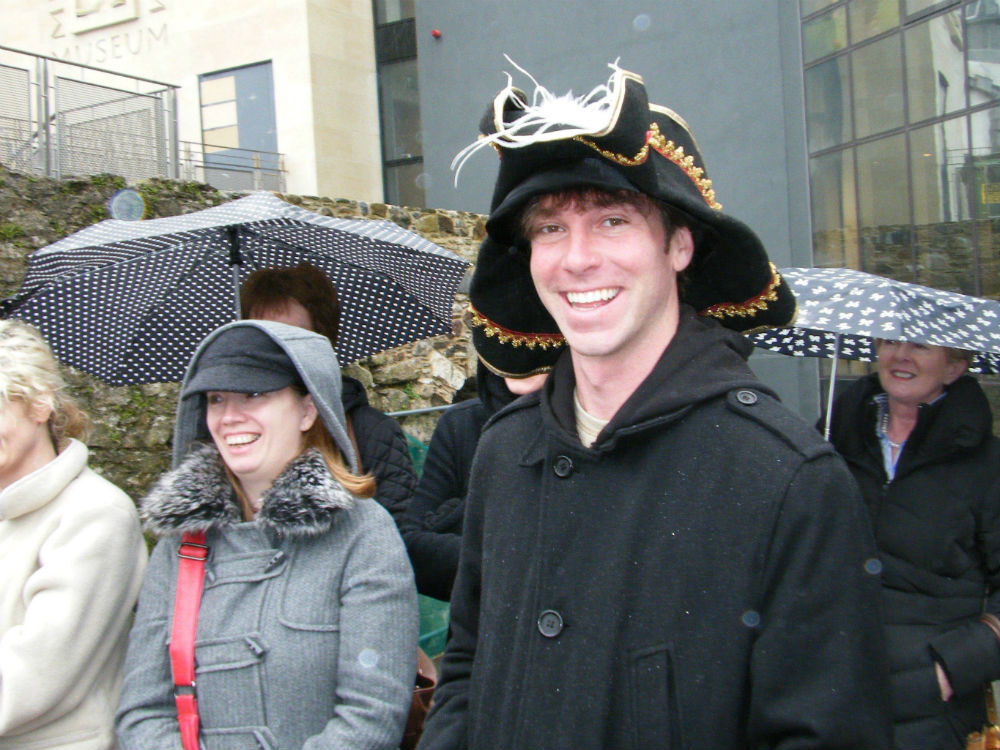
(433, 527)
(382, 450)
(694, 579)
(937, 528)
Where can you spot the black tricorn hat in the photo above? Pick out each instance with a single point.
(611, 139)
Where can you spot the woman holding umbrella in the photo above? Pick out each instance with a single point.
(307, 618)
(72, 560)
(917, 436)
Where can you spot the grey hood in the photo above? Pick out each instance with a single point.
(316, 364)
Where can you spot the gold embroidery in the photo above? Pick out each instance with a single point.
(668, 150)
(543, 341)
(750, 307)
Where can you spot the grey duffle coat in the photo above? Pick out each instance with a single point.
(308, 625)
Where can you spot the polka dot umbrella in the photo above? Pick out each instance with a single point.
(128, 301)
(842, 311)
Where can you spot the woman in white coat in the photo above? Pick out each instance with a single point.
(72, 558)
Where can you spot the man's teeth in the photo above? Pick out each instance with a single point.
(905, 375)
(240, 439)
(595, 295)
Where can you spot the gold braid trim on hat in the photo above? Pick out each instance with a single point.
(503, 335)
(750, 307)
(668, 150)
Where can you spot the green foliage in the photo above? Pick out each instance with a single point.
(105, 180)
(10, 232)
(98, 212)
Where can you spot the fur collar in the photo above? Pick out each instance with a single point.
(303, 501)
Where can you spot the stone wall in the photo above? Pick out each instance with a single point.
(132, 425)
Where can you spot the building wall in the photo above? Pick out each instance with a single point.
(321, 51)
(732, 70)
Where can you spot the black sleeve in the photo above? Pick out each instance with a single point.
(386, 456)
(432, 528)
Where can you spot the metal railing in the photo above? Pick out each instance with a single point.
(232, 169)
(59, 118)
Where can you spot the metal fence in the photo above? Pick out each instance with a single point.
(232, 169)
(59, 119)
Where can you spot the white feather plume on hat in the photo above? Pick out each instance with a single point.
(548, 117)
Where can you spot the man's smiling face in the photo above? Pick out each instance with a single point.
(607, 274)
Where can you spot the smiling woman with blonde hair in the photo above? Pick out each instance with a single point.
(918, 438)
(73, 558)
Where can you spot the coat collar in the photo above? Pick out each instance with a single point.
(197, 496)
(960, 421)
(702, 361)
(40, 487)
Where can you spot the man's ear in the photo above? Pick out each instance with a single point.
(681, 248)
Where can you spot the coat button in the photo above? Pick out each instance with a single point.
(550, 623)
(747, 398)
(563, 466)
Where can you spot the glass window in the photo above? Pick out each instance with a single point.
(828, 104)
(872, 17)
(390, 11)
(834, 214)
(215, 90)
(400, 102)
(917, 7)
(942, 232)
(984, 178)
(982, 24)
(824, 35)
(405, 184)
(938, 168)
(221, 139)
(811, 6)
(935, 67)
(878, 87)
(884, 208)
(218, 115)
(239, 131)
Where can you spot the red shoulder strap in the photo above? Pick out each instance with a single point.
(190, 577)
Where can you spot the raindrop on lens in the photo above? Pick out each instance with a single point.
(873, 566)
(750, 618)
(422, 180)
(642, 22)
(126, 205)
(368, 658)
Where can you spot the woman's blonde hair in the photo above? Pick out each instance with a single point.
(31, 374)
(318, 437)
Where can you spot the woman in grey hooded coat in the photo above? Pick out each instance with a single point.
(307, 629)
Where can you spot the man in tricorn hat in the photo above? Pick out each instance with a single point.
(655, 552)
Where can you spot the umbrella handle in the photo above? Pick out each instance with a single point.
(235, 260)
(829, 389)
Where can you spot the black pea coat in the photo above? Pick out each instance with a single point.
(697, 578)
(937, 528)
(432, 528)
